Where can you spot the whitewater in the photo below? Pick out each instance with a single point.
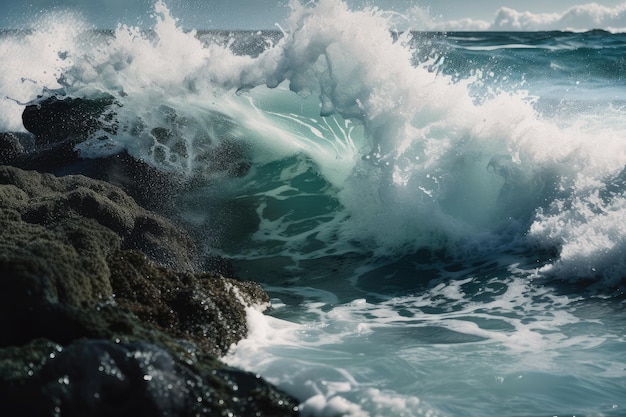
(439, 218)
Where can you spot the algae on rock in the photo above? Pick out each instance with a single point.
(104, 312)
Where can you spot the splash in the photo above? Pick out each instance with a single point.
(439, 350)
(406, 156)
(34, 60)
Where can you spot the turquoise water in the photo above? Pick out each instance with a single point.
(440, 218)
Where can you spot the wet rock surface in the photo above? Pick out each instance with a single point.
(10, 147)
(104, 311)
(54, 119)
(44, 201)
(57, 124)
(108, 378)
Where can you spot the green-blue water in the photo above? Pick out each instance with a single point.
(439, 218)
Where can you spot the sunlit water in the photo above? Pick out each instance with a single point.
(440, 219)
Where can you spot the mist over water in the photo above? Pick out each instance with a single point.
(439, 218)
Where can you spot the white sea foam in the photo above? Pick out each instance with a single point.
(34, 61)
(398, 356)
(413, 158)
(360, 157)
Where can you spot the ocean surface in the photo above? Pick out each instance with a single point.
(439, 218)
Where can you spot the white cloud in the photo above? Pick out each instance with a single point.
(510, 19)
(583, 17)
(577, 18)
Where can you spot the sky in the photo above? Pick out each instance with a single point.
(265, 14)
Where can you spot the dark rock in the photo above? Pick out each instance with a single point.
(203, 308)
(59, 123)
(65, 263)
(92, 326)
(219, 265)
(44, 200)
(10, 147)
(51, 158)
(102, 309)
(55, 119)
(151, 188)
(104, 378)
(15, 144)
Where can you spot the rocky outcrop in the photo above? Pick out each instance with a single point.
(102, 312)
(10, 147)
(55, 119)
(203, 308)
(151, 188)
(104, 378)
(56, 124)
(47, 201)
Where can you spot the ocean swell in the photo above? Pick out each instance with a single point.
(376, 153)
